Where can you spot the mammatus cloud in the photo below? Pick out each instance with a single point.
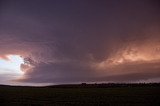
(84, 41)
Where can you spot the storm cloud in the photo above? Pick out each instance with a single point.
(82, 41)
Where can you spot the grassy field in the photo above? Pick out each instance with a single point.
(92, 96)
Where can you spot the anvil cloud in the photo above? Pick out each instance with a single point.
(82, 41)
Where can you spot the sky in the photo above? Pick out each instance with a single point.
(75, 41)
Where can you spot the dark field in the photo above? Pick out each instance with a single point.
(80, 95)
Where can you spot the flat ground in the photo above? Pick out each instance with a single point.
(91, 96)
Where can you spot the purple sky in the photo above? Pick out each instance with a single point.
(74, 41)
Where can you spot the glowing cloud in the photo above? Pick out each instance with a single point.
(11, 65)
(145, 53)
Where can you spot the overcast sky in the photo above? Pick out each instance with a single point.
(74, 41)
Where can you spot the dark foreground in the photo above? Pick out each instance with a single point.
(73, 95)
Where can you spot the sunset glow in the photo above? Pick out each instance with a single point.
(11, 65)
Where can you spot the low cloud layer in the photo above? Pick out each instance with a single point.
(82, 41)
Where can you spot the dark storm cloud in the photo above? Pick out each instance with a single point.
(65, 38)
(80, 73)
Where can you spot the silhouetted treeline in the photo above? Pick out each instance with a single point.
(106, 85)
(95, 85)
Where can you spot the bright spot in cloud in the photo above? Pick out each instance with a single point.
(11, 65)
